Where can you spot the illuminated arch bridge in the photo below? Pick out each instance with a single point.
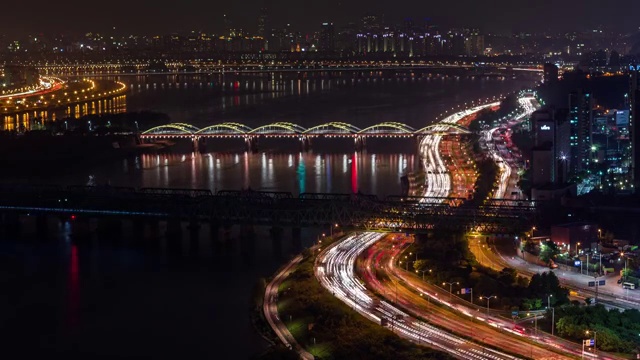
(285, 129)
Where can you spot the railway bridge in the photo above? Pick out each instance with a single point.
(173, 207)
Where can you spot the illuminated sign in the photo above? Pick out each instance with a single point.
(545, 127)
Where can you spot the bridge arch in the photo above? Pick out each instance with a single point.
(278, 128)
(172, 129)
(388, 128)
(457, 128)
(333, 128)
(226, 129)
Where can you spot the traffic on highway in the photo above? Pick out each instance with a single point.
(335, 271)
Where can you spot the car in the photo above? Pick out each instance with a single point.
(620, 281)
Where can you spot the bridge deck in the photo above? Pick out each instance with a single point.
(357, 211)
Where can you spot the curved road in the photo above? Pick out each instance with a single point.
(270, 309)
(418, 298)
(335, 271)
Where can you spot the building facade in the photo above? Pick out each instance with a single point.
(581, 105)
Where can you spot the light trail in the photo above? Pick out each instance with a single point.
(335, 272)
(46, 85)
(438, 179)
(506, 169)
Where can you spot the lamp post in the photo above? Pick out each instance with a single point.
(331, 229)
(488, 298)
(595, 341)
(553, 313)
(577, 244)
(423, 271)
(410, 253)
(626, 259)
(450, 286)
(535, 319)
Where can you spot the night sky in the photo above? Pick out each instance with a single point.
(161, 17)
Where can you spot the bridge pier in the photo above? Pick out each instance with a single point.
(227, 232)
(360, 143)
(201, 145)
(12, 225)
(296, 239)
(247, 241)
(174, 237)
(194, 237)
(251, 144)
(214, 235)
(81, 230)
(276, 240)
(42, 227)
(138, 232)
(110, 230)
(305, 144)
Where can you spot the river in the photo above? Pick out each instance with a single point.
(117, 300)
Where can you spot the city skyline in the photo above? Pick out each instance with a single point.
(499, 16)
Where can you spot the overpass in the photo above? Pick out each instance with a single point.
(276, 209)
(304, 135)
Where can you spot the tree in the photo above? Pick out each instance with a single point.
(532, 304)
(548, 251)
(508, 276)
(545, 284)
(419, 265)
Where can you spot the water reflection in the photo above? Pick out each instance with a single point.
(291, 172)
(34, 120)
(200, 97)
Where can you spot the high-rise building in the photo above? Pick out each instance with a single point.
(580, 117)
(634, 128)
(370, 23)
(227, 25)
(474, 43)
(550, 73)
(263, 26)
(327, 43)
(551, 136)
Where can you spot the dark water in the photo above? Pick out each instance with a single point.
(96, 299)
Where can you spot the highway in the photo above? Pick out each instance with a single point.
(335, 271)
(438, 178)
(453, 313)
(407, 301)
(508, 167)
(270, 310)
(45, 86)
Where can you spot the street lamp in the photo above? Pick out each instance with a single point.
(553, 313)
(410, 253)
(488, 298)
(423, 271)
(626, 259)
(577, 244)
(331, 229)
(595, 340)
(450, 286)
(532, 230)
